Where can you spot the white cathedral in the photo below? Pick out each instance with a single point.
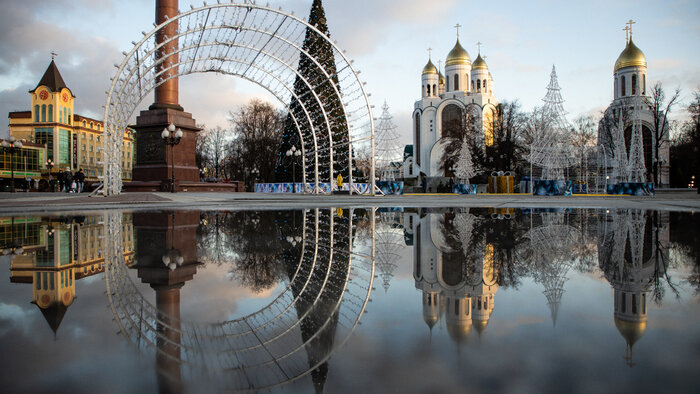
(461, 100)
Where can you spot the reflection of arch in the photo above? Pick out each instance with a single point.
(262, 350)
(253, 42)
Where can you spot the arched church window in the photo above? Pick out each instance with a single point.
(456, 82)
(485, 86)
(634, 304)
(623, 302)
(644, 84)
(417, 151)
(428, 87)
(36, 113)
(435, 89)
(50, 112)
(452, 121)
(478, 85)
(472, 86)
(622, 86)
(634, 84)
(644, 304)
(43, 112)
(447, 81)
(456, 307)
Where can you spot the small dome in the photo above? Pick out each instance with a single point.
(480, 325)
(430, 68)
(458, 55)
(430, 320)
(479, 63)
(631, 330)
(459, 331)
(631, 56)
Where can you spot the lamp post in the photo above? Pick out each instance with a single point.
(172, 137)
(11, 145)
(254, 172)
(293, 153)
(49, 165)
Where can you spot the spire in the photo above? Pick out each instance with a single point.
(54, 315)
(52, 78)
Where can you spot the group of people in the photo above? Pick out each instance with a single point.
(71, 183)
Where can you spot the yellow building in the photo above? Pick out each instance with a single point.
(51, 254)
(71, 140)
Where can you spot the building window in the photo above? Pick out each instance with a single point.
(622, 86)
(472, 86)
(83, 123)
(447, 81)
(428, 87)
(63, 147)
(456, 82)
(43, 112)
(44, 135)
(623, 306)
(644, 84)
(485, 86)
(50, 112)
(478, 85)
(416, 153)
(634, 84)
(435, 89)
(36, 113)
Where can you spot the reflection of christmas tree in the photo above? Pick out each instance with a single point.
(387, 146)
(389, 242)
(464, 167)
(311, 83)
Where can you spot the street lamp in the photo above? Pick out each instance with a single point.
(255, 172)
(49, 165)
(293, 153)
(11, 145)
(172, 138)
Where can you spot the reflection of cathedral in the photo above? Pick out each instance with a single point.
(632, 253)
(56, 252)
(458, 279)
(460, 103)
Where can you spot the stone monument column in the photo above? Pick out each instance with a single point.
(153, 161)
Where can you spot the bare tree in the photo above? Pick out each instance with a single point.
(583, 135)
(660, 108)
(257, 134)
(508, 127)
(212, 144)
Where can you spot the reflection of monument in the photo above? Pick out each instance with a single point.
(458, 280)
(631, 254)
(169, 261)
(56, 253)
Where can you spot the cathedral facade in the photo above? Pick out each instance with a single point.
(454, 105)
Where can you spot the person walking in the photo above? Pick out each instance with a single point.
(68, 179)
(80, 178)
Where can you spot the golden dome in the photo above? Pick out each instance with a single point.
(458, 55)
(631, 330)
(430, 68)
(479, 63)
(459, 331)
(480, 325)
(441, 78)
(430, 320)
(631, 56)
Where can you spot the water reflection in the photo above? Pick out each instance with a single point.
(327, 278)
(461, 258)
(317, 268)
(51, 254)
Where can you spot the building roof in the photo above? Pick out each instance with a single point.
(20, 115)
(52, 79)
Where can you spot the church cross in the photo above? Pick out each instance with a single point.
(53, 54)
(429, 50)
(479, 44)
(457, 26)
(627, 33)
(630, 23)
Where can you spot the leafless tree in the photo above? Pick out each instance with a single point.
(660, 106)
(212, 145)
(583, 135)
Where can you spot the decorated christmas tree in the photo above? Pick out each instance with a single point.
(464, 167)
(314, 94)
(388, 149)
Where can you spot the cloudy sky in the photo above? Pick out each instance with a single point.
(388, 39)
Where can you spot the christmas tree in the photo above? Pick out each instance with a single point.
(387, 148)
(464, 167)
(314, 94)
